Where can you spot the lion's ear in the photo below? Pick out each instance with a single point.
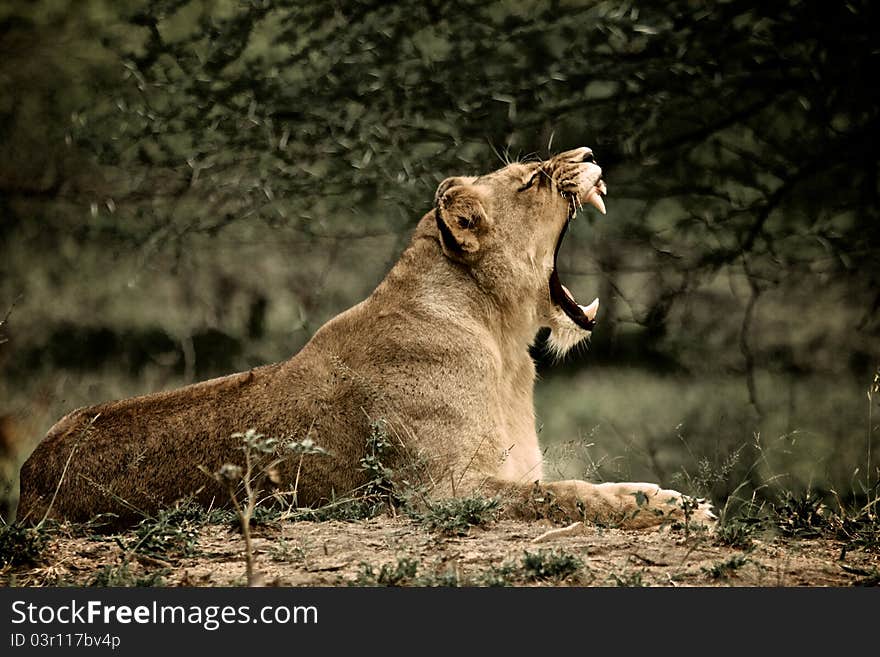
(462, 221)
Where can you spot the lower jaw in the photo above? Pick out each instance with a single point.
(568, 305)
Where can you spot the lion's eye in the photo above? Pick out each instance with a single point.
(530, 182)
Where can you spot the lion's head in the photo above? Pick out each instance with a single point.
(507, 227)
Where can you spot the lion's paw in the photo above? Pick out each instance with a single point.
(705, 513)
(647, 505)
(696, 512)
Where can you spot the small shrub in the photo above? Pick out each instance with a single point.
(447, 579)
(505, 575)
(121, 575)
(549, 565)
(707, 474)
(858, 525)
(864, 577)
(628, 580)
(380, 484)
(21, 545)
(173, 532)
(221, 516)
(723, 569)
(455, 516)
(736, 533)
(347, 509)
(403, 572)
(265, 515)
(802, 515)
(287, 552)
(370, 500)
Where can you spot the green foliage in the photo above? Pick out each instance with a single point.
(283, 550)
(172, 532)
(736, 533)
(397, 93)
(550, 565)
(21, 545)
(404, 573)
(380, 484)
(803, 515)
(628, 580)
(546, 567)
(455, 516)
(696, 433)
(304, 447)
(122, 574)
(399, 574)
(707, 476)
(376, 496)
(213, 105)
(723, 569)
(348, 509)
(264, 515)
(257, 443)
(864, 576)
(446, 579)
(859, 527)
(504, 575)
(378, 446)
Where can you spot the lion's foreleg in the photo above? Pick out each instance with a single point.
(626, 505)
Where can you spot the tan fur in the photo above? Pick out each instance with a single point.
(438, 352)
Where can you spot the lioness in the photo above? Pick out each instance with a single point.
(438, 353)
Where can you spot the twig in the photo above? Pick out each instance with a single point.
(744, 345)
(66, 463)
(246, 516)
(6, 317)
(874, 387)
(58, 486)
(552, 534)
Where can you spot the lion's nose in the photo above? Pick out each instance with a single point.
(578, 155)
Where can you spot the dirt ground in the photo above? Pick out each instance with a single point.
(336, 553)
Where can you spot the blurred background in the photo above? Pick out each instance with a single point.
(190, 188)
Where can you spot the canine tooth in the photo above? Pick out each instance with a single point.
(601, 187)
(595, 199)
(591, 310)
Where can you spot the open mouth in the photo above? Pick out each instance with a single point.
(583, 316)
